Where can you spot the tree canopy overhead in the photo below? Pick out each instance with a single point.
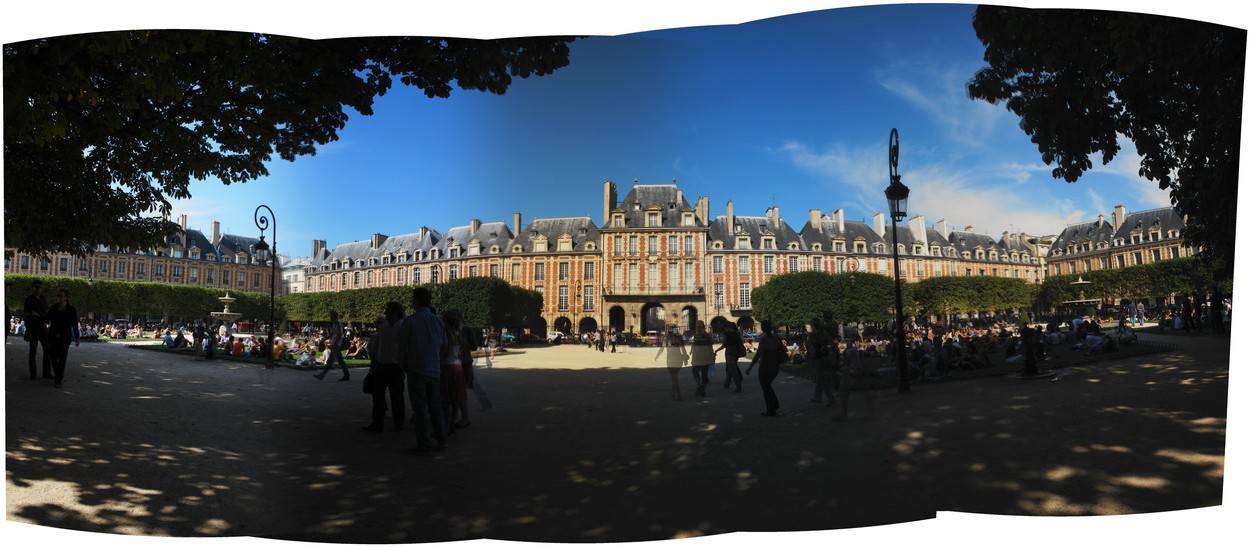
(1080, 78)
(111, 126)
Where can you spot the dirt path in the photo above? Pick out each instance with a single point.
(583, 446)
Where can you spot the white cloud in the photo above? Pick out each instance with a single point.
(941, 93)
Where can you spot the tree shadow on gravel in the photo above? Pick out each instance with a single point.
(143, 446)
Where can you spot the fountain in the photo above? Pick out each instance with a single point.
(226, 315)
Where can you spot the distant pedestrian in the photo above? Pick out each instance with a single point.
(702, 357)
(734, 350)
(62, 329)
(675, 357)
(35, 309)
(769, 354)
(824, 361)
(334, 348)
(854, 374)
(385, 369)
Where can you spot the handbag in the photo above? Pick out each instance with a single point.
(368, 385)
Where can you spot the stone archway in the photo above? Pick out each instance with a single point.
(587, 324)
(538, 326)
(689, 317)
(746, 323)
(616, 319)
(653, 317)
(718, 324)
(564, 325)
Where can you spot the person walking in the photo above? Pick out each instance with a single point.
(769, 355)
(421, 341)
(35, 309)
(62, 329)
(675, 357)
(702, 357)
(385, 368)
(824, 361)
(335, 348)
(854, 374)
(734, 350)
(451, 373)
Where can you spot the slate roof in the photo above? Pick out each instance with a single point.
(852, 231)
(755, 227)
(1165, 219)
(1095, 231)
(582, 229)
(487, 235)
(642, 196)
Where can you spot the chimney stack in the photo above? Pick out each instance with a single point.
(609, 203)
(729, 215)
(701, 210)
(182, 222)
(839, 220)
(878, 223)
(516, 223)
(376, 241)
(216, 233)
(474, 224)
(1117, 218)
(943, 229)
(318, 246)
(813, 218)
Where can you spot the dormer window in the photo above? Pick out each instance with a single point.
(653, 220)
(769, 243)
(687, 219)
(618, 220)
(744, 242)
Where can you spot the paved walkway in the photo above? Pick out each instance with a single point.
(583, 446)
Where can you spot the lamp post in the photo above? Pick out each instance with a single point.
(896, 194)
(265, 249)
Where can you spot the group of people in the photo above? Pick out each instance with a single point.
(840, 368)
(430, 356)
(50, 326)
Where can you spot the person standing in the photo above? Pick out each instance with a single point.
(451, 373)
(421, 341)
(854, 374)
(386, 370)
(35, 310)
(675, 357)
(62, 329)
(734, 350)
(335, 349)
(770, 354)
(824, 361)
(702, 357)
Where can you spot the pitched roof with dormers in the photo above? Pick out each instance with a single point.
(656, 197)
(971, 242)
(1163, 219)
(755, 228)
(582, 230)
(827, 231)
(490, 234)
(1094, 231)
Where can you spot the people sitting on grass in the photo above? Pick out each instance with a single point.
(357, 349)
(169, 340)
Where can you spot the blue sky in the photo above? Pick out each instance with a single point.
(793, 111)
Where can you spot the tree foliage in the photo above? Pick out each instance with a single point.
(1156, 280)
(1080, 78)
(111, 126)
(795, 298)
(144, 300)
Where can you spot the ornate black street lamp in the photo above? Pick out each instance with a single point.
(896, 194)
(265, 250)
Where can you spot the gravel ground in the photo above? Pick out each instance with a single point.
(588, 447)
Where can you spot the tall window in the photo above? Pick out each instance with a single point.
(794, 264)
(617, 247)
(718, 264)
(618, 275)
(672, 245)
(744, 266)
(633, 245)
(195, 274)
(416, 276)
(516, 273)
(540, 271)
(768, 264)
(588, 271)
(688, 276)
(653, 245)
(564, 271)
(588, 298)
(718, 295)
(473, 270)
(494, 270)
(653, 276)
(434, 274)
(453, 272)
(818, 264)
(63, 264)
(563, 298)
(744, 295)
(633, 276)
(689, 247)
(208, 276)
